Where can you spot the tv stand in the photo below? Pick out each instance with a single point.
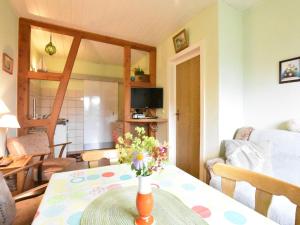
(151, 123)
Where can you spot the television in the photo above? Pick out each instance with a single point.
(142, 98)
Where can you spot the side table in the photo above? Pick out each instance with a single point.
(18, 162)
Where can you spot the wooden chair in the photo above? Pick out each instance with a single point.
(20, 209)
(97, 158)
(37, 145)
(265, 186)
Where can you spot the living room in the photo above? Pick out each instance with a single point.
(247, 78)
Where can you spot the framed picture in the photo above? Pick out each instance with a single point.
(289, 70)
(7, 64)
(180, 41)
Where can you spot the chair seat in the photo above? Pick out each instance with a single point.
(62, 162)
(26, 210)
(56, 165)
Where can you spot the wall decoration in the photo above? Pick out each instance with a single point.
(50, 48)
(180, 41)
(7, 64)
(289, 70)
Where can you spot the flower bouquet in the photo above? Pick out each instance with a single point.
(146, 156)
(144, 153)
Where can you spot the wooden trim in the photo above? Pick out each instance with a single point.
(35, 123)
(127, 87)
(297, 215)
(228, 186)
(60, 95)
(152, 67)
(262, 201)
(87, 35)
(23, 68)
(44, 76)
(265, 187)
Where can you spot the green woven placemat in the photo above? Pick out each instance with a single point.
(118, 207)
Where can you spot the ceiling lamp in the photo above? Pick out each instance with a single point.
(50, 48)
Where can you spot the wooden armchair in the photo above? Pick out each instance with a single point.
(20, 209)
(265, 186)
(37, 145)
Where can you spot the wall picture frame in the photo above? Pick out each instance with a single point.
(289, 70)
(7, 63)
(181, 41)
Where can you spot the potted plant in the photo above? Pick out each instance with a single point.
(146, 156)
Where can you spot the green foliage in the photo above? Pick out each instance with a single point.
(129, 146)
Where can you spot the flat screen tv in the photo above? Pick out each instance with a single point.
(142, 98)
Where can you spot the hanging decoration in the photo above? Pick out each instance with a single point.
(50, 48)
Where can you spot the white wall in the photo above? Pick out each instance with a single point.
(231, 117)
(271, 34)
(204, 28)
(9, 45)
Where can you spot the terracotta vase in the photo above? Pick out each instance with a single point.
(144, 202)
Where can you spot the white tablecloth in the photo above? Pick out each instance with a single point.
(69, 193)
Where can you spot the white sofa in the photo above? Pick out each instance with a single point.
(285, 161)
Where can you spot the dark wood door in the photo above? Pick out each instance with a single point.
(188, 116)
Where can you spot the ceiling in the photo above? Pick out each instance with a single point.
(144, 21)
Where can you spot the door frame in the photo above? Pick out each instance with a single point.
(186, 54)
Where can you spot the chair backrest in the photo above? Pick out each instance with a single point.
(97, 158)
(30, 144)
(265, 186)
(7, 204)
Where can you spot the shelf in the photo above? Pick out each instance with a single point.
(45, 75)
(159, 120)
(140, 84)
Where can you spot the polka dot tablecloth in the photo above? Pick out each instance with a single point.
(69, 193)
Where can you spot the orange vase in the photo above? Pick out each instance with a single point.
(144, 202)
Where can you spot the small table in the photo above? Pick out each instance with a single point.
(151, 123)
(18, 162)
(69, 193)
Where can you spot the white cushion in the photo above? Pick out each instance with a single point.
(249, 155)
(293, 125)
(285, 155)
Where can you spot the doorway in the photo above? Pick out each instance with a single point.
(188, 116)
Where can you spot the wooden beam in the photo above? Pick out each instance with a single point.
(23, 67)
(88, 35)
(35, 123)
(60, 95)
(127, 87)
(44, 76)
(152, 65)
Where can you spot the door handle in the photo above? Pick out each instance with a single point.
(177, 114)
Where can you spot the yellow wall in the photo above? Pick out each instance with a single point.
(9, 45)
(271, 34)
(230, 70)
(55, 64)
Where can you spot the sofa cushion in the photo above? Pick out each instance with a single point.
(249, 155)
(285, 156)
(7, 204)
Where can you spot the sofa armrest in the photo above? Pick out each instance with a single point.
(211, 162)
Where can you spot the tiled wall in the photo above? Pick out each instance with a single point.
(72, 108)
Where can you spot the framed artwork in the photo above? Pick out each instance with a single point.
(7, 63)
(180, 41)
(289, 70)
